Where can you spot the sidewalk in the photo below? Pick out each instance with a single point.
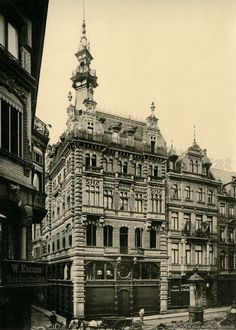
(40, 316)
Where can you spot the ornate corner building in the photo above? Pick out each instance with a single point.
(105, 232)
(22, 148)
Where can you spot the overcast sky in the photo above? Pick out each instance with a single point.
(181, 54)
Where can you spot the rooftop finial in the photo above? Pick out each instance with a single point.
(83, 11)
(194, 134)
(153, 108)
(69, 96)
(171, 143)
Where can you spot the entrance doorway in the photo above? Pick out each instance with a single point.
(123, 302)
(123, 240)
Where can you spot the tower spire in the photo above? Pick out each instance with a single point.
(194, 134)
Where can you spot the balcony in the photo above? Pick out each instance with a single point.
(17, 273)
(198, 234)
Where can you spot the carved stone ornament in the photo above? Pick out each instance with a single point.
(12, 86)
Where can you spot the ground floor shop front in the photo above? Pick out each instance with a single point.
(107, 287)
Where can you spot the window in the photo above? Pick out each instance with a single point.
(174, 221)
(187, 193)
(222, 209)
(93, 193)
(37, 158)
(210, 197)
(58, 244)
(175, 253)
(188, 254)
(153, 142)
(187, 222)
(153, 239)
(222, 260)
(38, 181)
(90, 127)
(191, 166)
(196, 165)
(9, 37)
(200, 195)
(70, 240)
(125, 167)
(94, 160)
(222, 234)
(110, 165)
(231, 235)
(174, 191)
(108, 199)
(156, 203)
(150, 170)
(198, 222)
(108, 236)
(123, 201)
(138, 202)
(11, 120)
(211, 255)
(138, 237)
(198, 254)
(231, 210)
(210, 224)
(91, 234)
(105, 164)
(87, 161)
(155, 172)
(231, 261)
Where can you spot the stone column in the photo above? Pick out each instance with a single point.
(79, 238)
(163, 273)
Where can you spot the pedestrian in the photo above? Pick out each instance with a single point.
(53, 319)
(141, 314)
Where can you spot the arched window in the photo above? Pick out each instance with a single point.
(196, 166)
(108, 236)
(87, 161)
(138, 237)
(91, 234)
(210, 197)
(125, 167)
(200, 195)
(187, 193)
(191, 166)
(231, 261)
(174, 191)
(94, 160)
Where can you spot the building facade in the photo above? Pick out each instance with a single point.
(226, 292)
(105, 232)
(22, 201)
(193, 217)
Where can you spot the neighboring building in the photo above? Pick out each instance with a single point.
(22, 201)
(226, 236)
(192, 233)
(105, 232)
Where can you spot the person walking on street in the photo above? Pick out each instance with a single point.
(53, 319)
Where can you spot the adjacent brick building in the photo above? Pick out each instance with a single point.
(22, 198)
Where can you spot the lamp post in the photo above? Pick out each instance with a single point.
(196, 301)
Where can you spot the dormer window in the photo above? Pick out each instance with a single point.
(90, 127)
(191, 166)
(196, 165)
(153, 142)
